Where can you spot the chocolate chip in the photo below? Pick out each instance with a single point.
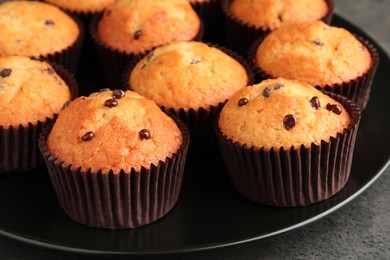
(137, 34)
(318, 87)
(50, 71)
(242, 102)
(111, 103)
(318, 42)
(315, 102)
(49, 22)
(278, 86)
(108, 12)
(104, 89)
(289, 121)
(67, 103)
(280, 18)
(334, 108)
(5, 72)
(266, 92)
(87, 136)
(195, 61)
(144, 134)
(118, 94)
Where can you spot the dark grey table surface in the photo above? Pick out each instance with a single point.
(359, 230)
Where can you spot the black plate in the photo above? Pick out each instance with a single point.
(210, 213)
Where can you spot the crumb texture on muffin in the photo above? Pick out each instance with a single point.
(188, 75)
(282, 113)
(35, 29)
(139, 25)
(116, 130)
(271, 14)
(313, 52)
(30, 91)
(82, 6)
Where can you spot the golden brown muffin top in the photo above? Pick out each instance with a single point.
(188, 75)
(281, 113)
(82, 6)
(313, 52)
(34, 29)
(116, 130)
(30, 91)
(135, 26)
(271, 14)
(200, 1)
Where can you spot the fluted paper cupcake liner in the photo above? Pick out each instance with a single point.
(357, 90)
(199, 121)
(240, 35)
(112, 62)
(293, 177)
(117, 200)
(211, 14)
(19, 145)
(69, 57)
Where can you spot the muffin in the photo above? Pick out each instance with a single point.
(328, 57)
(119, 164)
(210, 12)
(247, 20)
(285, 143)
(130, 28)
(31, 94)
(29, 29)
(85, 6)
(190, 79)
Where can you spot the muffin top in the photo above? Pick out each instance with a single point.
(282, 113)
(201, 1)
(313, 52)
(271, 14)
(188, 75)
(82, 6)
(117, 130)
(34, 29)
(30, 91)
(135, 26)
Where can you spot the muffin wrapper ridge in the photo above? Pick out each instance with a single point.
(241, 35)
(357, 90)
(200, 122)
(293, 177)
(112, 62)
(211, 14)
(69, 57)
(19, 145)
(117, 201)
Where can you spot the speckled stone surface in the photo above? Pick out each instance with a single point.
(360, 230)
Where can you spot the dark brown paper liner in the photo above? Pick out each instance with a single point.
(19, 145)
(200, 121)
(293, 177)
(357, 90)
(69, 57)
(241, 35)
(112, 62)
(211, 14)
(117, 201)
